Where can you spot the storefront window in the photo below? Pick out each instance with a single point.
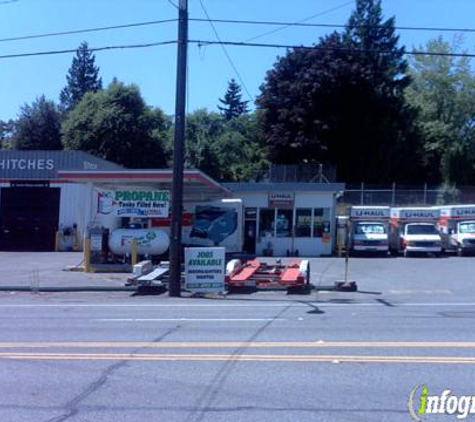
(284, 222)
(321, 221)
(266, 222)
(303, 218)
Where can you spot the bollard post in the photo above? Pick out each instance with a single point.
(134, 252)
(87, 255)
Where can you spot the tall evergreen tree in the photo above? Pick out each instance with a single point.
(38, 126)
(343, 103)
(233, 105)
(82, 77)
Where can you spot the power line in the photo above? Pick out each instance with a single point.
(202, 43)
(226, 52)
(300, 21)
(112, 47)
(83, 31)
(332, 25)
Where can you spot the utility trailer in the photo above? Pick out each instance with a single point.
(257, 275)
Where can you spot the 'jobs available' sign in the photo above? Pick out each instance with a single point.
(205, 270)
(134, 203)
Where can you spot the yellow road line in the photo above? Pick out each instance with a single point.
(238, 344)
(241, 358)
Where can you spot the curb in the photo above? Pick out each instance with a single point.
(69, 289)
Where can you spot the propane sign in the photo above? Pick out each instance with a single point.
(205, 270)
(134, 203)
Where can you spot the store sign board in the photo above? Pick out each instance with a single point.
(281, 199)
(205, 270)
(134, 203)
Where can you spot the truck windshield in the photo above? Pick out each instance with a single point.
(467, 227)
(421, 229)
(370, 229)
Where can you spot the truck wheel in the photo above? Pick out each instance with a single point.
(459, 251)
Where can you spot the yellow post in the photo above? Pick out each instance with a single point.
(56, 241)
(134, 252)
(87, 255)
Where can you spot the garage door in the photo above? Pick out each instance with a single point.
(28, 218)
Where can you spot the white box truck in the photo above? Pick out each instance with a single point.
(457, 226)
(369, 229)
(414, 231)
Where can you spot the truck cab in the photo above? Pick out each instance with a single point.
(369, 229)
(414, 231)
(457, 226)
(421, 238)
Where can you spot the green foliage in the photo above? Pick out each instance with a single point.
(342, 103)
(6, 133)
(227, 150)
(443, 89)
(38, 127)
(233, 106)
(115, 124)
(83, 76)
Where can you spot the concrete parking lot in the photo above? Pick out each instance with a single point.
(268, 356)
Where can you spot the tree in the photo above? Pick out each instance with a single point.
(82, 77)
(6, 133)
(443, 89)
(227, 150)
(233, 106)
(38, 126)
(116, 124)
(343, 103)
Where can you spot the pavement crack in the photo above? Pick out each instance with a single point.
(72, 407)
(209, 396)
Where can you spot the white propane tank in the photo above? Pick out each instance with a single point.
(149, 241)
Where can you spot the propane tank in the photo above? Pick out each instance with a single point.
(149, 241)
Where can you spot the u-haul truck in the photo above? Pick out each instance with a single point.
(413, 230)
(457, 226)
(369, 229)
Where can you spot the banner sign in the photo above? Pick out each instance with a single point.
(281, 199)
(134, 203)
(205, 270)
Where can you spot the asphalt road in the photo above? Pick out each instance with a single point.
(261, 357)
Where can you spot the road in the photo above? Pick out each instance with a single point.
(261, 357)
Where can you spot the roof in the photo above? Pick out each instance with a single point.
(294, 187)
(197, 185)
(44, 165)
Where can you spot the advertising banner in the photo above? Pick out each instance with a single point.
(205, 270)
(134, 203)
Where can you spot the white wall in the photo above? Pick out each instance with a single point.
(307, 246)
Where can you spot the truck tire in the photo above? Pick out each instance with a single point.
(459, 251)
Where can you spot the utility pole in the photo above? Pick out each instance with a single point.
(174, 288)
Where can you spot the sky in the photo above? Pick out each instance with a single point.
(153, 69)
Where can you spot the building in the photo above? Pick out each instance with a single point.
(35, 202)
(49, 198)
(283, 219)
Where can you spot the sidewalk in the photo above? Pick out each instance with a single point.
(45, 269)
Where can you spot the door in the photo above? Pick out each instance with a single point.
(250, 230)
(29, 218)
